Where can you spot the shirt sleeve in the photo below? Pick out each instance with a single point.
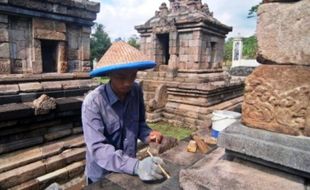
(144, 129)
(103, 153)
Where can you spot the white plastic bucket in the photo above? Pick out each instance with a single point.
(222, 119)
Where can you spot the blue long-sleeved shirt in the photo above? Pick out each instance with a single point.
(111, 129)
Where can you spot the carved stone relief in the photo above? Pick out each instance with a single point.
(277, 98)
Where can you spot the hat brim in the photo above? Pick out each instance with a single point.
(141, 65)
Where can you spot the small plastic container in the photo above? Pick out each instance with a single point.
(222, 119)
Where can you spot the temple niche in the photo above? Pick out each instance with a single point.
(187, 43)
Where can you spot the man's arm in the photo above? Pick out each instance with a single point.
(104, 154)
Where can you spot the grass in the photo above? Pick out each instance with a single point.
(102, 80)
(170, 130)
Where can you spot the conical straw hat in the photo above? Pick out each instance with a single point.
(121, 56)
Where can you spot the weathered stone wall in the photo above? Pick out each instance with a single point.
(21, 36)
(20, 45)
(78, 48)
(5, 62)
(277, 96)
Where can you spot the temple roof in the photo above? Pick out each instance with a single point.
(183, 12)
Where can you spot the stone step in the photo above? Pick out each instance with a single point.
(20, 158)
(24, 110)
(60, 176)
(53, 164)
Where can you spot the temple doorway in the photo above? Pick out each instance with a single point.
(49, 55)
(163, 49)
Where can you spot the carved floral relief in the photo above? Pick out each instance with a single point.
(278, 102)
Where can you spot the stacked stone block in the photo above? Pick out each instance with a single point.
(277, 94)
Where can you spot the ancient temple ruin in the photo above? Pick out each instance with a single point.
(187, 43)
(44, 56)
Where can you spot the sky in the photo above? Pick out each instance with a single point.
(120, 16)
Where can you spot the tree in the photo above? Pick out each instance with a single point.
(134, 41)
(253, 11)
(99, 42)
(249, 47)
(228, 47)
(248, 51)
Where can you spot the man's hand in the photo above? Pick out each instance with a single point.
(148, 169)
(155, 136)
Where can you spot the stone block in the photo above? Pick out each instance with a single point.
(76, 169)
(166, 144)
(73, 54)
(30, 87)
(74, 65)
(5, 66)
(4, 35)
(277, 98)
(51, 86)
(49, 35)
(3, 19)
(43, 105)
(25, 173)
(92, 6)
(86, 30)
(60, 27)
(14, 111)
(4, 50)
(214, 172)
(70, 84)
(9, 89)
(283, 33)
(284, 151)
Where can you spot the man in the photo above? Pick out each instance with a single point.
(113, 118)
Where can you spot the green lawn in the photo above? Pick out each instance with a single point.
(169, 130)
(102, 80)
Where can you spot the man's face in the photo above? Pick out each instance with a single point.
(122, 81)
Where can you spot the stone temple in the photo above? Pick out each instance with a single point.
(187, 43)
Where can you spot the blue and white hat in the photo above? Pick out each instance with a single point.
(121, 56)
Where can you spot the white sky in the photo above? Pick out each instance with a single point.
(120, 16)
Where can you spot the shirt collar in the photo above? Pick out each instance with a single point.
(112, 96)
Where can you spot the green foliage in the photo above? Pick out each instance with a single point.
(248, 52)
(134, 41)
(253, 11)
(249, 47)
(99, 42)
(170, 130)
(228, 47)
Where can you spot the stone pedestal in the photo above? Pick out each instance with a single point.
(216, 172)
(284, 152)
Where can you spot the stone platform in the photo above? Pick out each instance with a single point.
(216, 172)
(284, 152)
(175, 159)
